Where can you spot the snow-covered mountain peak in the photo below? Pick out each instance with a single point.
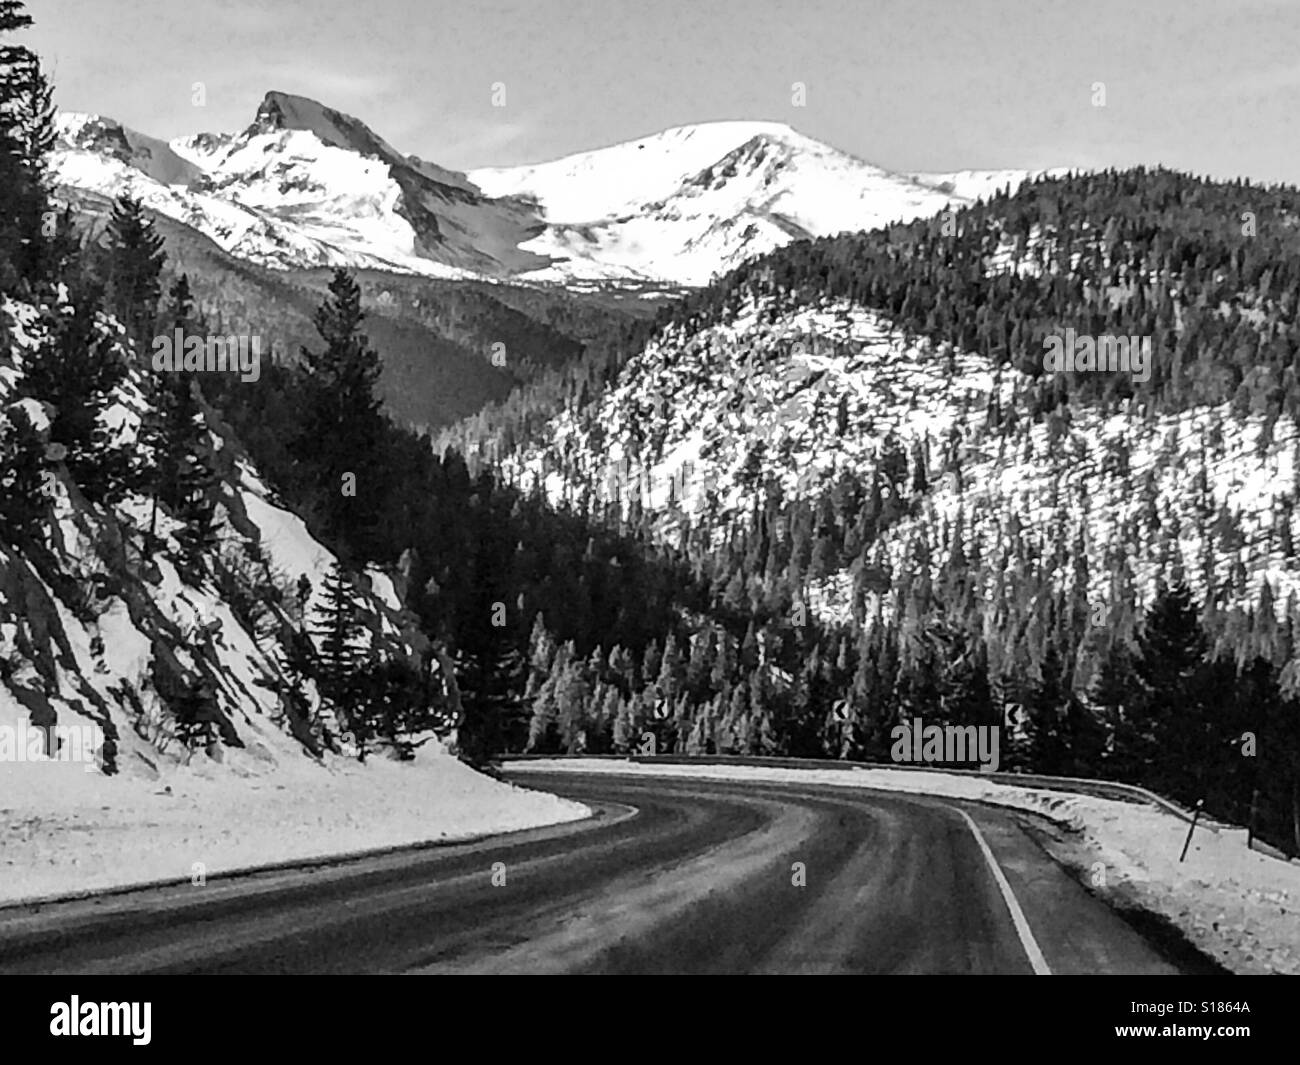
(109, 139)
(617, 180)
(281, 111)
(307, 185)
(285, 111)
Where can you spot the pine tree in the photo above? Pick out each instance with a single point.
(26, 136)
(176, 435)
(488, 679)
(672, 672)
(184, 478)
(135, 262)
(1113, 692)
(624, 735)
(543, 735)
(23, 502)
(296, 659)
(967, 695)
(342, 428)
(387, 706)
(541, 650)
(700, 664)
(572, 694)
(75, 368)
(1170, 668)
(337, 628)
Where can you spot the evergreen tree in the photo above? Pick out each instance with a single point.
(176, 434)
(135, 262)
(75, 368)
(341, 427)
(337, 628)
(543, 736)
(23, 503)
(184, 479)
(572, 693)
(1172, 650)
(488, 678)
(1114, 693)
(26, 136)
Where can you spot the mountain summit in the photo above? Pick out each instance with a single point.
(305, 185)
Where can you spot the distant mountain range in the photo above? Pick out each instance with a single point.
(306, 186)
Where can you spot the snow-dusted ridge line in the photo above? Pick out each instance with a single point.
(307, 186)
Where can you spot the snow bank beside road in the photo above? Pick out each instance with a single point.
(65, 831)
(1234, 904)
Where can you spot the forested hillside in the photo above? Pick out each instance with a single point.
(863, 429)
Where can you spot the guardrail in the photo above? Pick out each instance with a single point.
(1105, 789)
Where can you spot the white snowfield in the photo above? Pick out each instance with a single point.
(305, 186)
(695, 201)
(64, 831)
(1236, 905)
(277, 200)
(577, 188)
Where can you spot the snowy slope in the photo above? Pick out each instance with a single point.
(695, 201)
(90, 627)
(306, 186)
(99, 635)
(620, 179)
(691, 412)
(979, 184)
(353, 228)
(94, 134)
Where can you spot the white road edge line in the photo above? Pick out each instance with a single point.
(1027, 940)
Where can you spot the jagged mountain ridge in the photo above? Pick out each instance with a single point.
(307, 186)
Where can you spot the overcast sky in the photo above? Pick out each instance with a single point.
(1204, 85)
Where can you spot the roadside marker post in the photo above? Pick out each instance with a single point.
(1191, 828)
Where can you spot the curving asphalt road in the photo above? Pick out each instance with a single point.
(672, 876)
